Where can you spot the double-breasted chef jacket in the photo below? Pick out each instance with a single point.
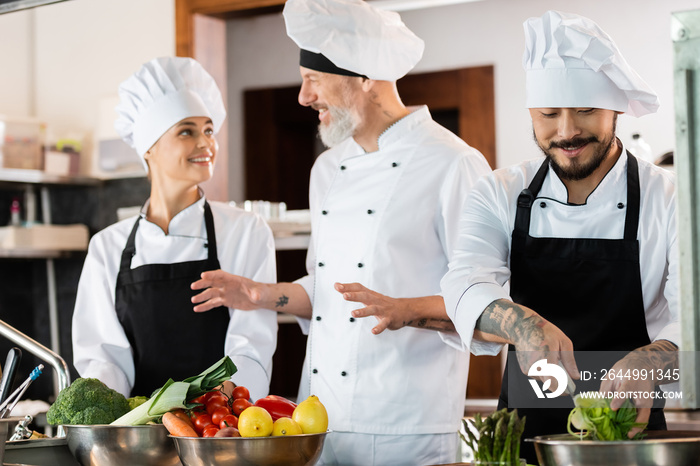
(480, 270)
(388, 220)
(245, 246)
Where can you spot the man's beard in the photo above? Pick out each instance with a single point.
(341, 126)
(576, 170)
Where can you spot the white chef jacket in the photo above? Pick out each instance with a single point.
(480, 269)
(387, 220)
(245, 247)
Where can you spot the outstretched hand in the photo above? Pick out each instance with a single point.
(224, 289)
(391, 313)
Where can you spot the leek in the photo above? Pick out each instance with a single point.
(174, 395)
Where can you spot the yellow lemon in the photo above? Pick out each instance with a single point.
(286, 426)
(311, 416)
(255, 421)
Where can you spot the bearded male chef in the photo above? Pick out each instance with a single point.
(587, 236)
(385, 200)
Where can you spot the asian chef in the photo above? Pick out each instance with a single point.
(385, 200)
(586, 236)
(133, 325)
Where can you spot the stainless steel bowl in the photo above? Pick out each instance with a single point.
(106, 445)
(658, 448)
(291, 450)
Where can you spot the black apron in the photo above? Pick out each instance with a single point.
(153, 303)
(589, 288)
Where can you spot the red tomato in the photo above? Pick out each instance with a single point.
(202, 398)
(210, 431)
(228, 421)
(240, 392)
(219, 414)
(239, 405)
(215, 403)
(200, 422)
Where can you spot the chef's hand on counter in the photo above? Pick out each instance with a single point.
(659, 357)
(225, 289)
(426, 312)
(533, 336)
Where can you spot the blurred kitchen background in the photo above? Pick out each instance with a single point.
(62, 63)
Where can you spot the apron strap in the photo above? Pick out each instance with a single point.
(211, 232)
(632, 215)
(130, 249)
(527, 197)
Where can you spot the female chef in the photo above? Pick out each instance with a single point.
(133, 325)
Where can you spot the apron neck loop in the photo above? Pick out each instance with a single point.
(527, 198)
(130, 249)
(211, 232)
(632, 215)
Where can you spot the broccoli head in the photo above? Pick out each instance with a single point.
(87, 401)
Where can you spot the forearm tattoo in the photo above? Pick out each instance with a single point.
(661, 355)
(509, 321)
(441, 325)
(282, 301)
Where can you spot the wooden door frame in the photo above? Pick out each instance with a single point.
(200, 33)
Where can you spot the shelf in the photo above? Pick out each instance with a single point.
(17, 175)
(30, 253)
(292, 242)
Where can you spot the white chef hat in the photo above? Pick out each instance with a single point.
(352, 38)
(571, 62)
(161, 93)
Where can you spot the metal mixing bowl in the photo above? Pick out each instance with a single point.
(106, 445)
(291, 450)
(658, 448)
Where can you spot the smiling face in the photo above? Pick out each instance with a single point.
(334, 97)
(575, 140)
(185, 153)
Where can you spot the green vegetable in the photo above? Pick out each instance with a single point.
(87, 401)
(174, 395)
(497, 436)
(597, 421)
(135, 401)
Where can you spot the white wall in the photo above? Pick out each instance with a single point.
(16, 69)
(59, 60)
(486, 32)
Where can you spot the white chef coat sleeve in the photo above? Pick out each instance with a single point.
(470, 167)
(101, 349)
(479, 269)
(251, 337)
(672, 330)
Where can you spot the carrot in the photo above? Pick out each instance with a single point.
(183, 415)
(177, 427)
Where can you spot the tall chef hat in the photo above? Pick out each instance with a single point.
(571, 62)
(352, 38)
(161, 93)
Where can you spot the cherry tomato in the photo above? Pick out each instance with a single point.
(202, 399)
(219, 414)
(228, 421)
(216, 402)
(239, 405)
(210, 431)
(240, 392)
(200, 422)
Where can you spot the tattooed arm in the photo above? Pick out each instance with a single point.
(661, 355)
(426, 312)
(224, 289)
(534, 337)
